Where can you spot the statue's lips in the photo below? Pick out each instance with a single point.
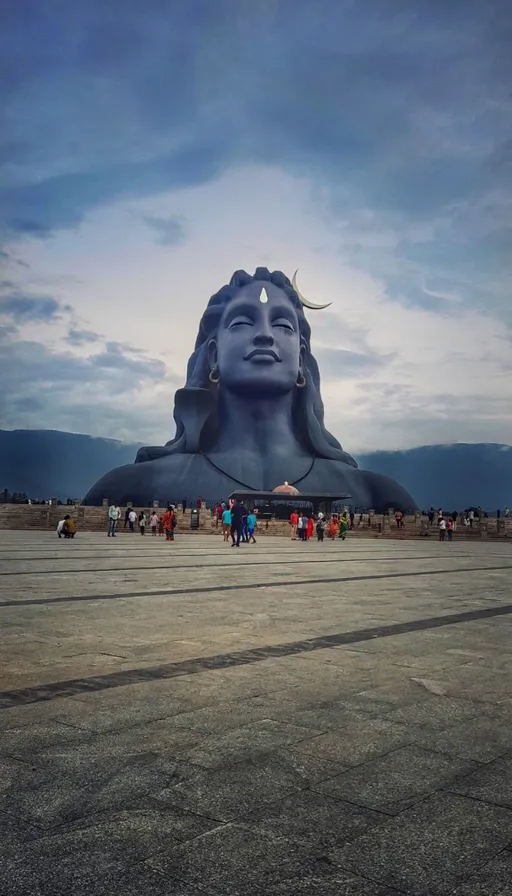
(262, 354)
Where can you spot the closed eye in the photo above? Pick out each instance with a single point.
(241, 322)
(283, 323)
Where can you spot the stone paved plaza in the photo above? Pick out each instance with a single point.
(285, 718)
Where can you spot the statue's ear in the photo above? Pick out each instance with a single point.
(212, 354)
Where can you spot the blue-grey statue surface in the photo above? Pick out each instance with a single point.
(250, 414)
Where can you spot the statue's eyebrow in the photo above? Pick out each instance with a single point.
(242, 309)
(286, 312)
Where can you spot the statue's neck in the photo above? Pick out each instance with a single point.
(263, 427)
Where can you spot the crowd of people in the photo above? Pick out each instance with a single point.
(239, 524)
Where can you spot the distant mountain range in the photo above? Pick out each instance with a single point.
(48, 463)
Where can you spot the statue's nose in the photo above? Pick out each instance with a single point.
(263, 336)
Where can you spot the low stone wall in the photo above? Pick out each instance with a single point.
(95, 519)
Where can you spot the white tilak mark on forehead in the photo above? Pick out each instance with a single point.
(263, 296)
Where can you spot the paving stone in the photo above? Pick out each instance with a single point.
(74, 857)
(435, 712)
(393, 782)
(221, 716)
(11, 771)
(47, 800)
(493, 879)
(430, 848)
(491, 783)
(25, 742)
(360, 742)
(244, 744)
(482, 739)
(314, 819)
(229, 861)
(160, 738)
(231, 792)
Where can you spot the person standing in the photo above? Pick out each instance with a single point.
(153, 522)
(237, 516)
(442, 529)
(127, 517)
(320, 526)
(132, 519)
(142, 522)
(343, 527)
(251, 526)
(471, 518)
(114, 512)
(301, 527)
(169, 521)
(161, 530)
(450, 529)
(352, 517)
(309, 528)
(294, 519)
(226, 523)
(184, 504)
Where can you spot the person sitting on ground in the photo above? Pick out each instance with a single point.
(66, 527)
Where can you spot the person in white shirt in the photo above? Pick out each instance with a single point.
(132, 518)
(114, 512)
(153, 522)
(60, 528)
(442, 529)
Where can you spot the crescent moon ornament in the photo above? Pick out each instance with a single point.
(303, 300)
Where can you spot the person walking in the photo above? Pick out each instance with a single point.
(450, 529)
(142, 522)
(237, 515)
(161, 530)
(320, 526)
(251, 526)
(294, 519)
(169, 521)
(343, 527)
(114, 512)
(127, 517)
(442, 529)
(153, 522)
(132, 519)
(226, 523)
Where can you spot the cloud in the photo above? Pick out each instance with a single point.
(32, 309)
(168, 231)
(339, 364)
(51, 388)
(78, 337)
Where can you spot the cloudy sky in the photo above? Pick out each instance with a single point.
(149, 149)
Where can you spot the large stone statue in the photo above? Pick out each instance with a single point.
(250, 414)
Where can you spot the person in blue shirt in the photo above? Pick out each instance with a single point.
(226, 523)
(251, 525)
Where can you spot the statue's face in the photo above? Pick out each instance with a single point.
(257, 350)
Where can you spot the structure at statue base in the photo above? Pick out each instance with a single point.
(250, 413)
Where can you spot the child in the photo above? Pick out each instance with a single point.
(251, 525)
(153, 522)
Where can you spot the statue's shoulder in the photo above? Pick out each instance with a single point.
(387, 492)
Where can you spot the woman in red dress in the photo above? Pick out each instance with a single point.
(310, 527)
